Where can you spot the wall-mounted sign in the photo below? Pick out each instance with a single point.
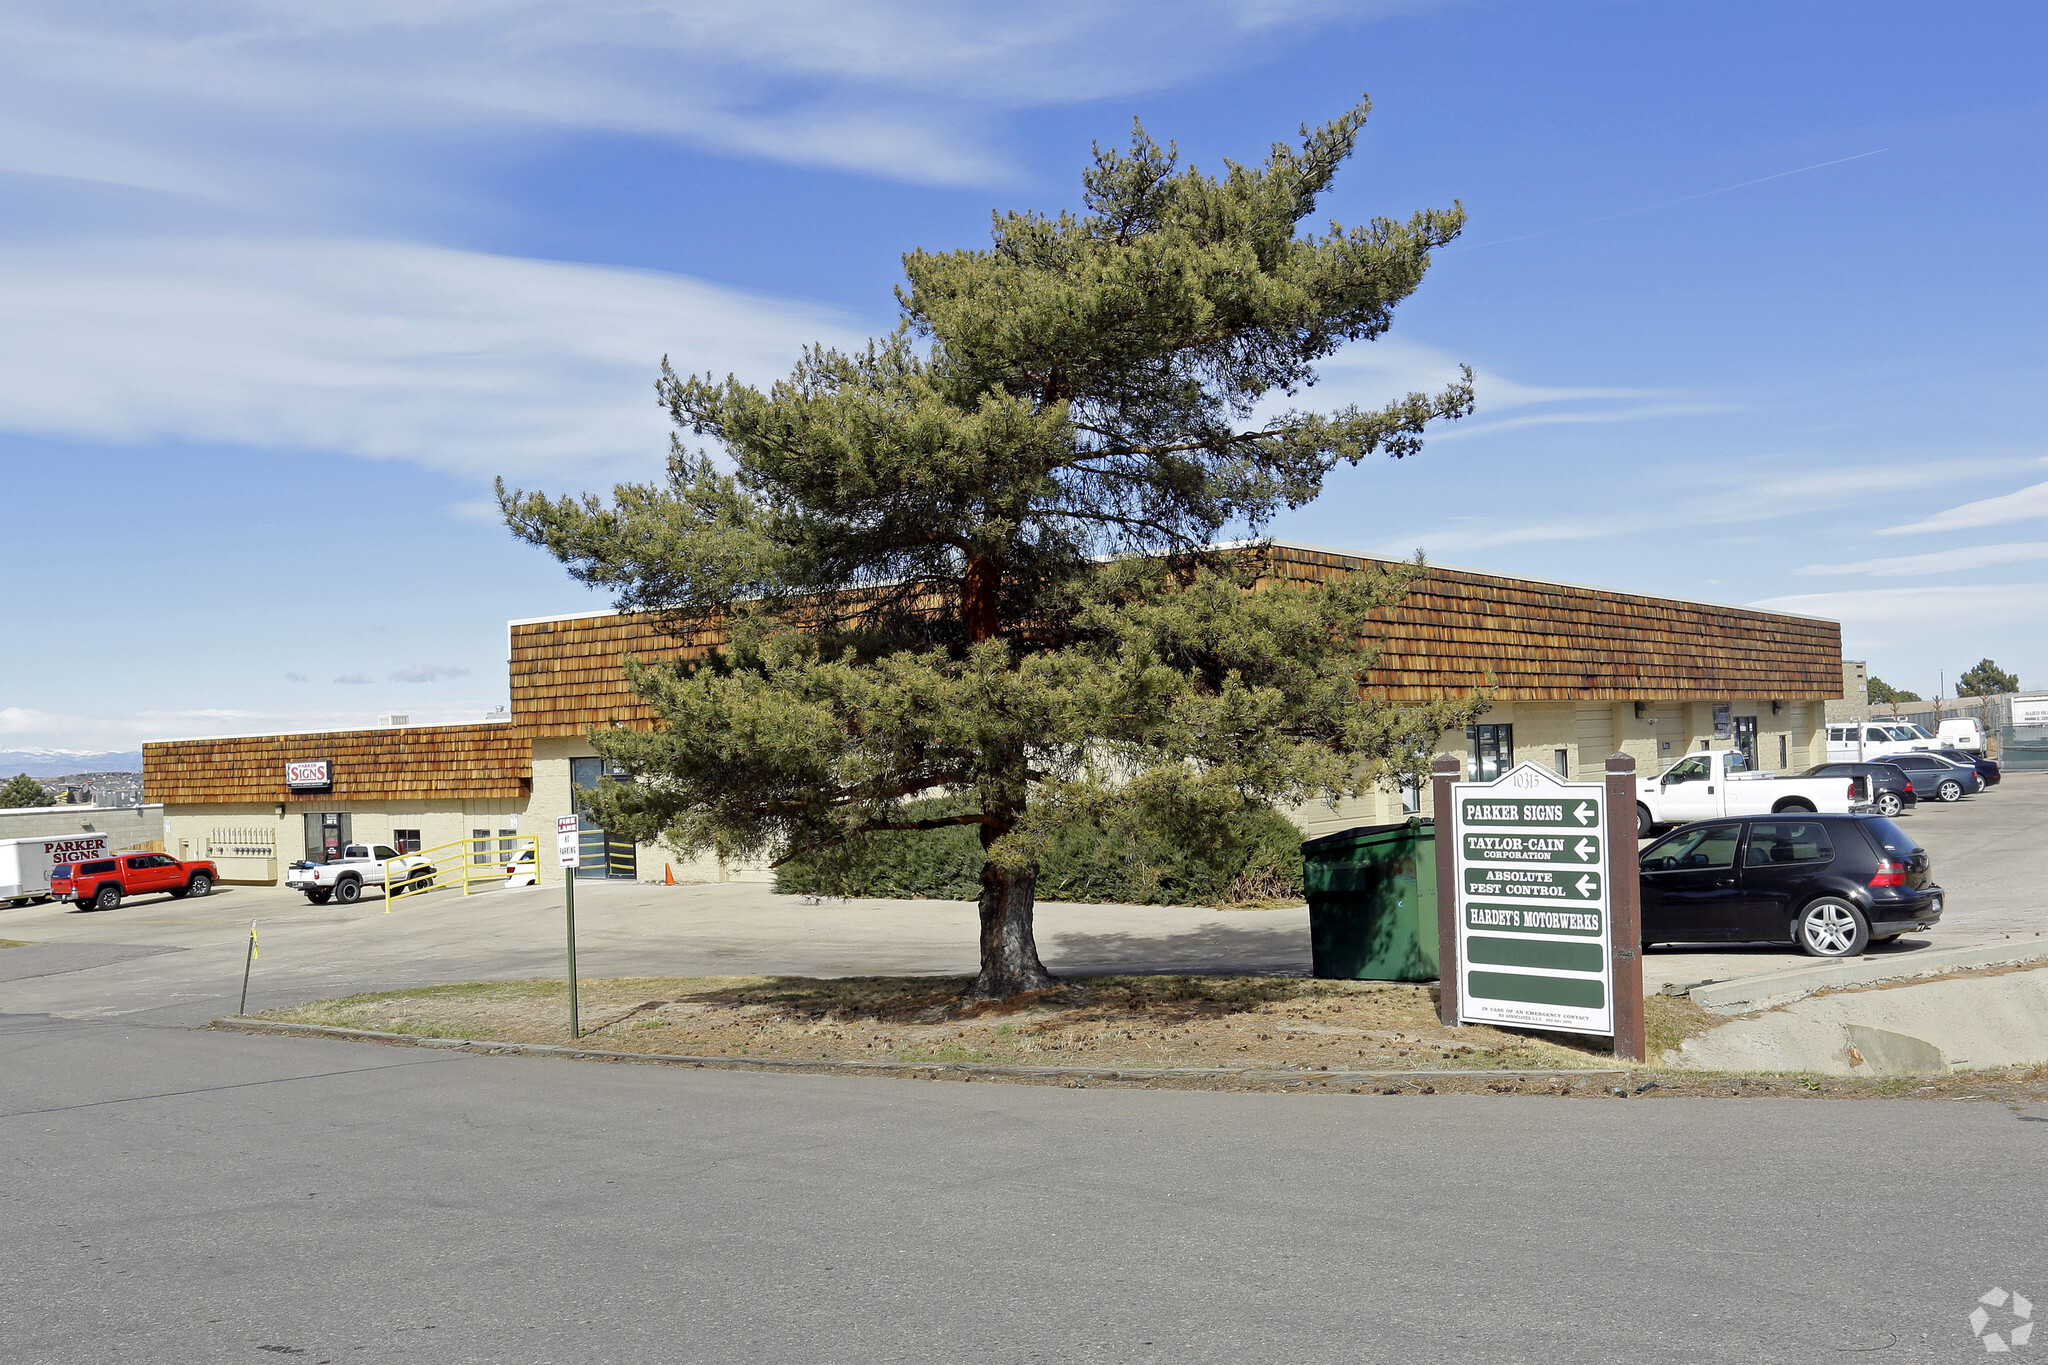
(309, 773)
(1534, 932)
(2030, 710)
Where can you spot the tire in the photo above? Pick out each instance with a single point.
(1950, 790)
(1889, 803)
(1805, 807)
(348, 891)
(200, 885)
(1643, 822)
(107, 898)
(319, 897)
(1831, 927)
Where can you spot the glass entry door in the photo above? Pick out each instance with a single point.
(603, 855)
(326, 835)
(1745, 739)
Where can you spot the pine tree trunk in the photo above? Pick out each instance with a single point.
(1009, 952)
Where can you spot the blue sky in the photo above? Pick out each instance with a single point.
(1754, 292)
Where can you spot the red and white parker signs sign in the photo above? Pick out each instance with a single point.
(309, 772)
(76, 849)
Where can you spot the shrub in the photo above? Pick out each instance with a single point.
(1124, 861)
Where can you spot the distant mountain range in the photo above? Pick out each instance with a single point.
(43, 763)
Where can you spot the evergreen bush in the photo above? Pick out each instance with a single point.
(1125, 860)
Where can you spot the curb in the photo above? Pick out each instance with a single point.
(1745, 993)
(907, 1070)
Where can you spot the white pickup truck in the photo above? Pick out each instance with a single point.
(359, 865)
(1706, 785)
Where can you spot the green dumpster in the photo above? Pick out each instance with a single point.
(1372, 902)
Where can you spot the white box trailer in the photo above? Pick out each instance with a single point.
(25, 863)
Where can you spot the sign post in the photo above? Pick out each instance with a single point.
(569, 851)
(1534, 882)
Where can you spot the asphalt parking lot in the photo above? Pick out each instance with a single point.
(1988, 853)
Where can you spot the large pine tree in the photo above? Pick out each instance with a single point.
(978, 559)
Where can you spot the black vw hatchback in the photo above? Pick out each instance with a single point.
(1832, 884)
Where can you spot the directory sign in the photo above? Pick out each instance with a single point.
(1535, 929)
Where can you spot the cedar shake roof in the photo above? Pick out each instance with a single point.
(400, 763)
(1540, 641)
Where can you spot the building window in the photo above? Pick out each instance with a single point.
(1561, 761)
(1784, 755)
(479, 847)
(1493, 751)
(406, 840)
(1411, 800)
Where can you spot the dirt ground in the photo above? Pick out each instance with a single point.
(1288, 1030)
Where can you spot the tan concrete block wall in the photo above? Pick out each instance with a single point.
(552, 798)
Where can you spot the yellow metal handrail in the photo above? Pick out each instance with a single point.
(466, 871)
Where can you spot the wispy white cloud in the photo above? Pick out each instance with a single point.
(28, 727)
(353, 680)
(1881, 615)
(2026, 504)
(426, 673)
(1381, 371)
(901, 88)
(457, 360)
(1937, 561)
(1759, 491)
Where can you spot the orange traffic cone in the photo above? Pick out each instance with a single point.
(668, 875)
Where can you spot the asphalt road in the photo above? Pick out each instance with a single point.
(184, 1196)
(181, 1195)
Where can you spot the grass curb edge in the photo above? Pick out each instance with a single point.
(909, 1070)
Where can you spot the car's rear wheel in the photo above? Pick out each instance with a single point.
(1643, 824)
(1830, 927)
(199, 885)
(107, 898)
(1783, 806)
(1950, 790)
(348, 892)
(1889, 803)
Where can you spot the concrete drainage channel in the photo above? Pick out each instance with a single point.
(1880, 1016)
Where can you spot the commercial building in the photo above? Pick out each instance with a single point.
(1576, 674)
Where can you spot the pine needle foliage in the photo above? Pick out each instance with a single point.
(977, 559)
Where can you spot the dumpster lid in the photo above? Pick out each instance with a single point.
(1346, 839)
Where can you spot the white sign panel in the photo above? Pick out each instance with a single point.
(569, 841)
(1535, 940)
(2030, 710)
(309, 772)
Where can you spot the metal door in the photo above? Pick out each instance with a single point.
(1745, 740)
(1691, 893)
(1778, 864)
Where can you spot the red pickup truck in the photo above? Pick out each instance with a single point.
(103, 882)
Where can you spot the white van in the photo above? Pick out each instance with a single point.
(1864, 741)
(1965, 733)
